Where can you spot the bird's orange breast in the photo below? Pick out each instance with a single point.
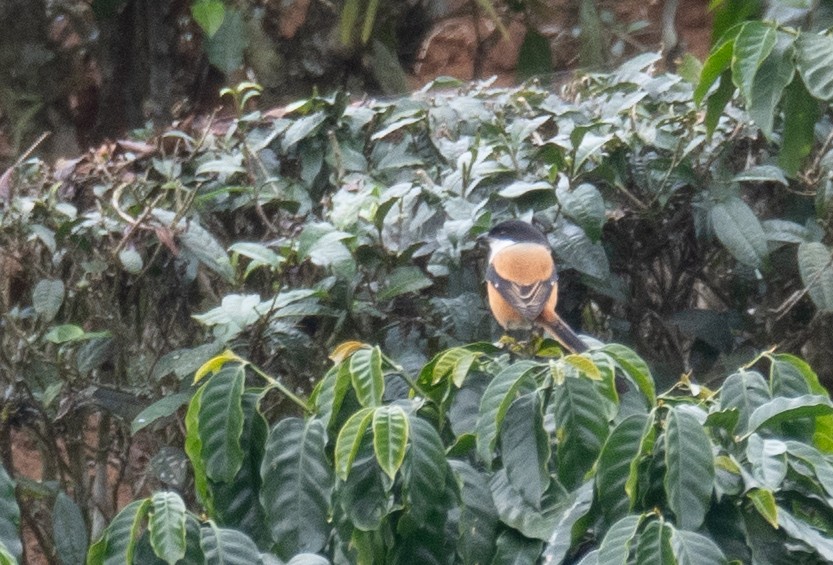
(524, 263)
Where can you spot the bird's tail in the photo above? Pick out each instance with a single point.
(562, 333)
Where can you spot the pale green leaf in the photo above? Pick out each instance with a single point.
(47, 298)
(815, 59)
(366, 375)
(167, 526)
(815, 264)
(390, 438)
(349, 440)
(753, 45)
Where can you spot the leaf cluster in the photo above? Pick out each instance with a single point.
(483, 457)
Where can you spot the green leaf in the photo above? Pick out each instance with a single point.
(801, 112)
(456, 362)
(123, 532)
(773, 76)
(347, 21)
(209, 15)
(815, 59)
(635, 367)
(478, 522)
(654, 544)
(236, 503)
(534, 56)
(221, 423)
(582, 427)
(715, 66)
(616, 545)
(47, 298)
(590, 146)
(424, 469)
(537, 523)
(162, 408)
(302, 128)
(9, 516)
(753, 45)
(785, 231)
(498, 396)
(69, 531)
(744, 391)
(740, 231)
(224, 546)
(762, 173)
(199, 242)
(689, 479)
(779, 410)
(193, 448)
(764, 502)
(330, 392)
(521, 188)
(349, 440)
(822, 468)
(390, 438)
(573, 246)
(6, 558)
(226, 47)
(692, 548)
(404, 280)
(514, 549)
(717, 102)
(566, 533)
(167, 526)
(787, 367)
(617, 465)
(768, 459)
(365, 494)
(65, 333)
(585, 205)
(525, 449)
(821, 543)
(366, 376)
(815, 264)
(297, 484)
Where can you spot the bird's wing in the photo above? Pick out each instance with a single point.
(529, 300)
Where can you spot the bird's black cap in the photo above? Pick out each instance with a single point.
(517, 230)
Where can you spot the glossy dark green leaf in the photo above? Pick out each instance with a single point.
(617, 466)
(404, 280)
(297, 485)
(568, 532)
(498, 396)
(616, 545)
(693, 548)
(123, 532)
(798, 529)
(478, 523)
(771, 78)
(753, 45)
(781, 409)
(689, 479)
(635, 367)
(525, 448)
(221, 423)
(654, 545)
(744, 391)
(584, 204)
(514, 549)
(581, 426)
(225, 546)
(162, 408)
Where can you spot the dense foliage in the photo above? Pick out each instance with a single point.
(483, 457)
(278, 237)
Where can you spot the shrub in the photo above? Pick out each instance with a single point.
(484, 457)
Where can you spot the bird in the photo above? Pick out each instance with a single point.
(522, 282)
